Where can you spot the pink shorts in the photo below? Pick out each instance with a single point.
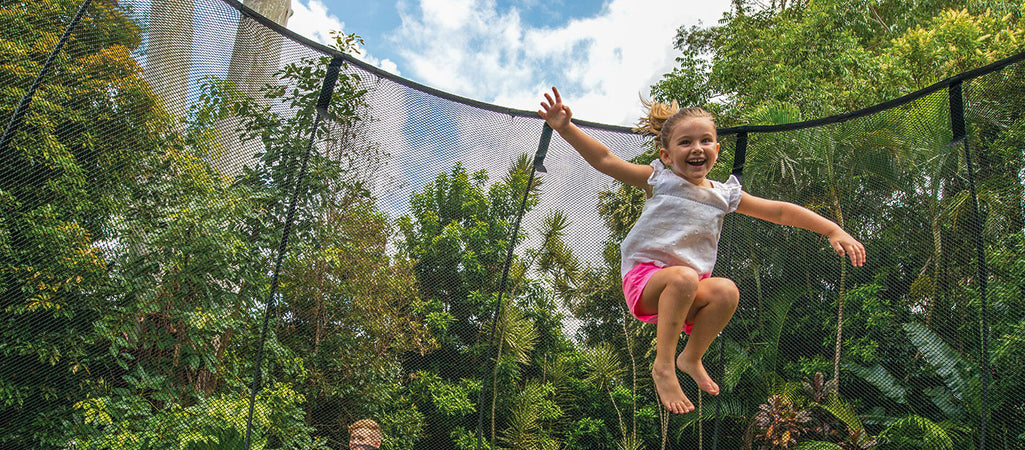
(633, 286)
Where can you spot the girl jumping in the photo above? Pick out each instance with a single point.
(668, 255)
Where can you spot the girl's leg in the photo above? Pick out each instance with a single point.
(714, 304)
(669, 293)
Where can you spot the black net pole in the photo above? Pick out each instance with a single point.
(739, 157)
(322, 103)
(538, 166)
(960, 136)
(19, 113)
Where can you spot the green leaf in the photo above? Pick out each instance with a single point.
(882, 379)
(947, 362)
(917, 432)
(844, 411)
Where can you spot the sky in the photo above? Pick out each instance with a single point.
(602, 55)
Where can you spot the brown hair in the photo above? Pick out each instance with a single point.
(367, 424)
(661, 118)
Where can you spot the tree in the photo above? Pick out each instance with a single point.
(134, 271)
(458, 234)
(348, 312)
(905, 192)
(92, 113)
(829, 57)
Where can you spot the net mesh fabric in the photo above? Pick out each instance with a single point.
(145, 196)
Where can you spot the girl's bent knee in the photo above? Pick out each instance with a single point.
(683, 277)
(725, 290)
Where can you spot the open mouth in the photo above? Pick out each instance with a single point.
(696, 162)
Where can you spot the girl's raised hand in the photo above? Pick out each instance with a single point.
(554, 111)
(845, 245)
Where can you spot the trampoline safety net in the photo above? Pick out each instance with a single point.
(214, 234)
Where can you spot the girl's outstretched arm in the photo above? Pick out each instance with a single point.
(785, 213)
(558, 116)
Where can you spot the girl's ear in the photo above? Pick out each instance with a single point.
(663, 154)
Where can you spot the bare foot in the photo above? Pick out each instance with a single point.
(668, 387)
(696, 370)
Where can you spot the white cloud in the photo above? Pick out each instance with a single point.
(312, 20)
(602, 63)
(471, 48)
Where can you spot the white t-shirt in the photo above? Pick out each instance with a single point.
(680, 224)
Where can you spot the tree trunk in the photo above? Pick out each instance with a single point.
(169, 53)
(494, 374)
(840, 300)
(937, 242)
(633, 370)
(255, 58)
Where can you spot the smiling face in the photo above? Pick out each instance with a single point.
(691, 149)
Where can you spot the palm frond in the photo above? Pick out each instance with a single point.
(725, 407)
(918, 432)
(881, 378)
(776, 316)
(555, 224)
(843, 411)
(530, 409)
(518, 173)
(738, 363)
(518, 334)
(606, 369)
(947, 362)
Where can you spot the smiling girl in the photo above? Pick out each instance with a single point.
(668, 255)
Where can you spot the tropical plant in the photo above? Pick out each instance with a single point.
(779, 424)
(919, 432)
(956, 395)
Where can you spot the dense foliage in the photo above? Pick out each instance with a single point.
(136, 252)
(909, 325)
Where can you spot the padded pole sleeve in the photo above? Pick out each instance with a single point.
(957, 124)
(329, 85)
(542, 149)
(740, 155)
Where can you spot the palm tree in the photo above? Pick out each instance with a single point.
(932, 166)
(606, 371)
(531, 406)
(517, 336)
